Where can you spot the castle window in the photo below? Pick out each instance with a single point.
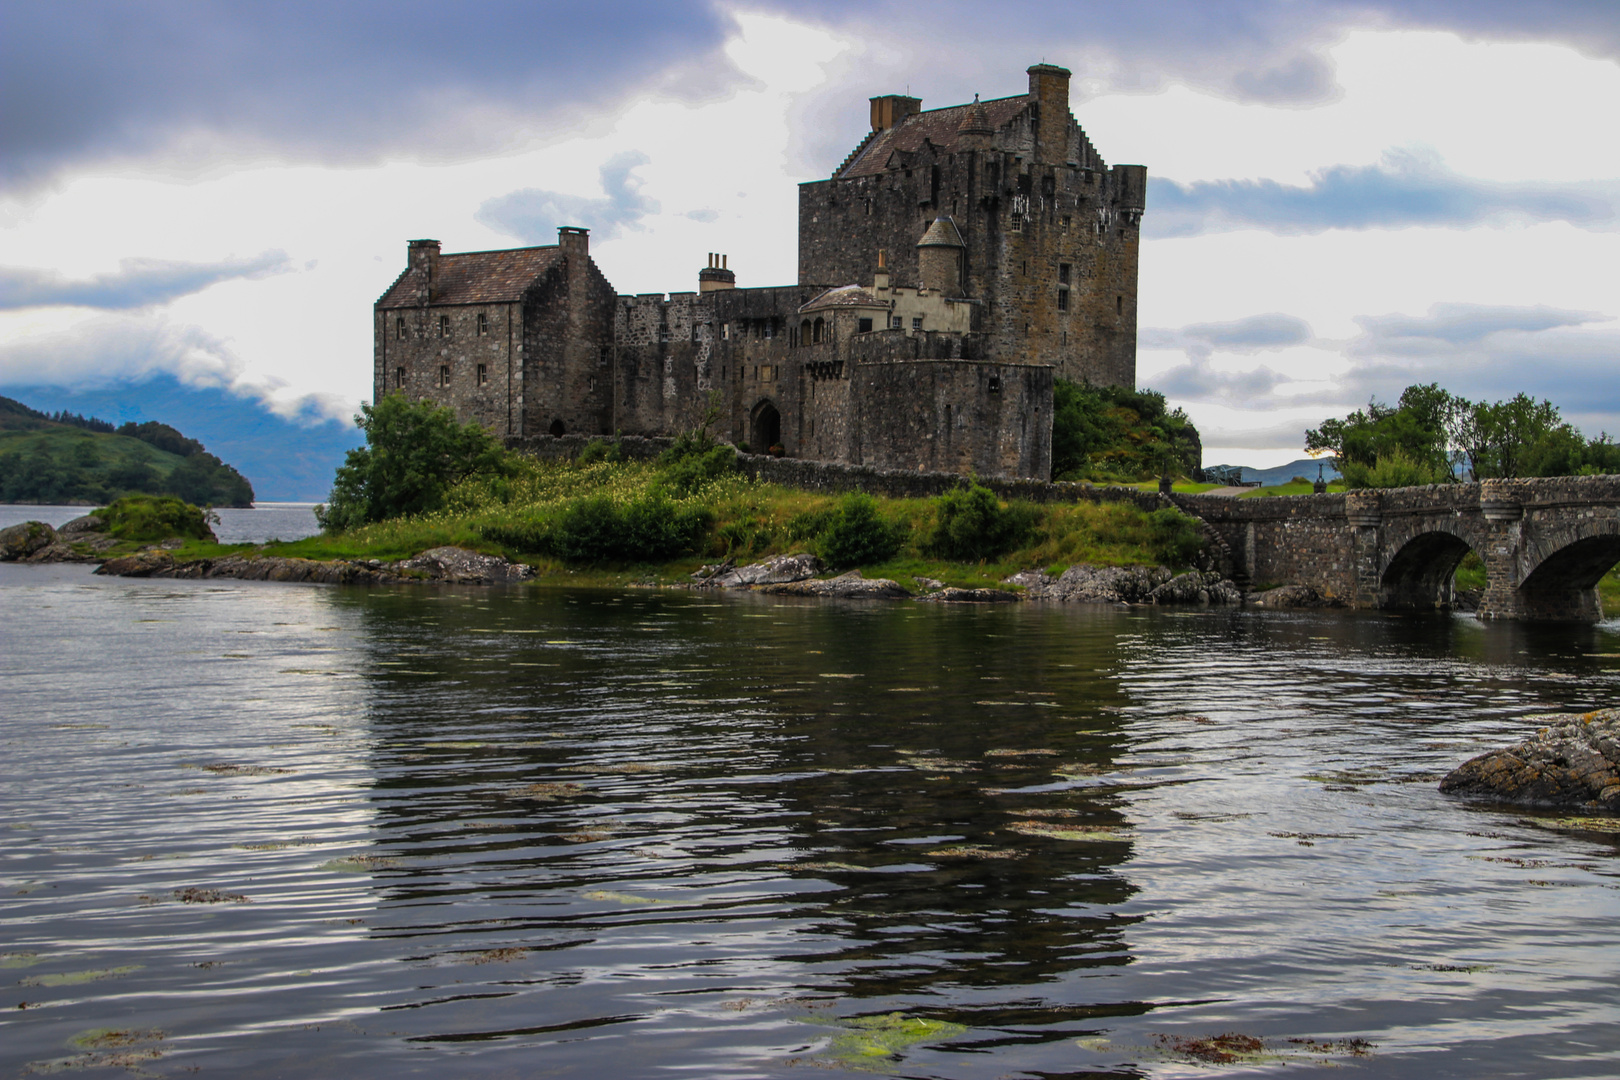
(994, 384)
(864, 326)
(896, 323)
(725, 331)
(663, 332)
(767, 372)
(483, 324)
(399, 378)
(590, 382)
(403, 334)
(444, 326)
(770, 329)
(483, 372)
(916, 323)
(1017, 223)
(444, 374)
(1063, 271)
(816, 329)
(1119, 305)
(1065, 222)
(1063, 299)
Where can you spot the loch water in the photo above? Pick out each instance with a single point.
(262, 830)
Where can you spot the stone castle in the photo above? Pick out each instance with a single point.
(957, 261)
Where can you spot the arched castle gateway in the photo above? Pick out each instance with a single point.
(955, 262)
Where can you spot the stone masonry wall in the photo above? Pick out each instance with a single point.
(568, 350)
(417, 355)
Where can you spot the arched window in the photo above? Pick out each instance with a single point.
(818, 329)
(557, 429)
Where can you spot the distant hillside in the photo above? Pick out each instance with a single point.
(71, 458)
(286, 459)
(1281, 474)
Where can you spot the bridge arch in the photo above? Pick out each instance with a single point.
(1563, 568)
(1417, 575)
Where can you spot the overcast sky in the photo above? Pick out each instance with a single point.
(1344, 198)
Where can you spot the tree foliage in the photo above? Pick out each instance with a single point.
(1111, 433)
(1431, 436)
(857, 535)
(414, 453)
(973, 524)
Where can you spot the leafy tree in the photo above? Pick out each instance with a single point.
(205, 480)
(161, 436)
(1414, 432)
(1114, 433)
(414, 453)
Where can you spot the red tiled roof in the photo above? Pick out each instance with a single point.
(478, 277)
(942, 127)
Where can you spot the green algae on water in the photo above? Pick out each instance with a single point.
(874, 1042)
(78, 978)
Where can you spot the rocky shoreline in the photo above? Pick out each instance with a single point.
(81, 540)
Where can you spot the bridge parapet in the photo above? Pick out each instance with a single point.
(1545, 543)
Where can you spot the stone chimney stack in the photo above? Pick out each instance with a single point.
(575, 243)
(889, 110)
(423, 257)
(716, 275)
(1049, 89)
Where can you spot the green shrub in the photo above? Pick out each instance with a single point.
(972, 525)
(593, 530)
(1173, 536)
(598, 450)
(144, 518)
(857, 536)
(807, 526)
(697, 469)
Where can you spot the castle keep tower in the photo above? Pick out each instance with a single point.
(1050, 233)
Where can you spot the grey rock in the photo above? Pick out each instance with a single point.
(851, 584)
(1093, 584)
(928, 583)
(140, 564)
(1291, 596)
(1196, 587)
(1574, 761)
(21, 541)
(57, 552)
(458, 566)
(89, 523)
(971, 596)
(778, 570)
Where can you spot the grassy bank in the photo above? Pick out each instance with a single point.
(584, 521)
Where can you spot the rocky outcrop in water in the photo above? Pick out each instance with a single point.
(777, 570)
(1574, 761)
(1093, 584)
(23, 541)
(850, 585)
(1203, 587)
(1292, 596)
(445, 566)
(954, 595)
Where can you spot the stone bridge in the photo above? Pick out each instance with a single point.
(1545, 543)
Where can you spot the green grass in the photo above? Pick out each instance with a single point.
(1294, 488)
(749, 521)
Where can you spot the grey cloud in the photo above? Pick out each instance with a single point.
(532, 215)
(1197, 381)
(1404, 190)
(1253, 333)
(364, 79)
(138, 282)
(1463, 324)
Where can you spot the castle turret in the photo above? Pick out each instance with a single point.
(715, 276)
(939, 257)
(1049, 88)
(975, 132)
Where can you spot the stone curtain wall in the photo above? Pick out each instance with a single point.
(962, 416)
(568, 348)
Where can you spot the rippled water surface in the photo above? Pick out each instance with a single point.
(267, 830)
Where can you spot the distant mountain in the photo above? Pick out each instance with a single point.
(1281, 474)
(71, 458)
(289, 461)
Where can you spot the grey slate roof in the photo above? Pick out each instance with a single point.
(942, 127)
(478, 277)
